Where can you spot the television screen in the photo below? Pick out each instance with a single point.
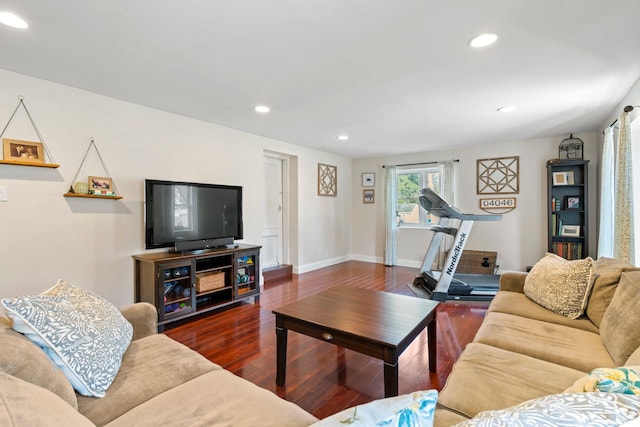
(177, 213)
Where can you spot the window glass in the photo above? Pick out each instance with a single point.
(409, 184)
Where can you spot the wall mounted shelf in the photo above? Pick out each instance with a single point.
(37, 165)
(91, 196)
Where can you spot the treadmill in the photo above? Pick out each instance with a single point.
(441, 285)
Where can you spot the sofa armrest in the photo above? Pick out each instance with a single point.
(143, 317)
(512, 281)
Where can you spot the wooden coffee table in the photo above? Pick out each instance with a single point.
(378, 324)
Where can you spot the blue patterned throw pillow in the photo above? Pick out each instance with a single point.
(415, 409)
(82, 333)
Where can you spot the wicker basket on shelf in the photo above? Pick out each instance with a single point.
(210, 281)
(477, 262)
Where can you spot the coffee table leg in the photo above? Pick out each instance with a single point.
(281, 355)
(390, 379)
(431, 340)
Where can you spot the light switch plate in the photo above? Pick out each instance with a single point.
(3, 193)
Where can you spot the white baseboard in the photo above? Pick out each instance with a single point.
(320, 264)
(353, 257)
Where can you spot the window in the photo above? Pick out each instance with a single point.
(409, 183)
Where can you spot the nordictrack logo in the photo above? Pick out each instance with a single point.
(456, 253)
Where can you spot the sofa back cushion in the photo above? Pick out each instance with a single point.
(23, 359)
(607, 276)
(619, 328)
(559, 285)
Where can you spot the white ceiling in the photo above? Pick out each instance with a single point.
(396, 76)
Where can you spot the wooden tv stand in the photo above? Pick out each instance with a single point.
(183, 285)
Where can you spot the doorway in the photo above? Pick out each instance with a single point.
(274, 241)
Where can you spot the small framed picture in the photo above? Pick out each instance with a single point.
(572, 202)
(100, 186)
(369, 179)
(23, 151)
(560, 178)
(368, 196)
(570, 231)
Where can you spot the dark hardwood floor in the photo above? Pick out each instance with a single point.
(321, 377)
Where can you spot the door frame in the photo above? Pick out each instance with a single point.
(286, 202)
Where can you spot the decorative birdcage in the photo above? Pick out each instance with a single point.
(570, 149)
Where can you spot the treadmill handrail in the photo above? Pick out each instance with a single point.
(437, 206)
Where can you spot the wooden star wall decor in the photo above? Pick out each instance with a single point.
(327, 180)
(499, 175)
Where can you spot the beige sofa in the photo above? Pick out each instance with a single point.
(160, 382)
(523, 351)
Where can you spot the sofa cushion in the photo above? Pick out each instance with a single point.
(25, 404)
(480, 380)
(571, 347)
(23, 359)
(445, 418)
(634, 359)
(607, 276)
(217, 398)
(415, 409)
(609, 380)
(619, 327)
(518, 304)
(561, 286)
(81, 332)
(151, 366)
(564, 410)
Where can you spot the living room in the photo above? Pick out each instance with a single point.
(91, 242)
(197, 124)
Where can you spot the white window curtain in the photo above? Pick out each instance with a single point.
(391, 245)
(607, 199)
(447, 192)
(624, 245)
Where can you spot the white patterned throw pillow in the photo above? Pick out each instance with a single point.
(560, 285)
(81, 332)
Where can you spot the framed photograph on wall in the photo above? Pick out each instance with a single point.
(369, 179)
(570, 231)
(23, 151)
(368, 196)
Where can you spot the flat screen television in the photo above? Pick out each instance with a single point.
(190, 216)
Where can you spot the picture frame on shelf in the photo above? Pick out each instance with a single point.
(23, 151)
(570, 231)
(559, 178)
(368, 196)
(563, 178)
(572, 203)
(368, 179)
(101, 186)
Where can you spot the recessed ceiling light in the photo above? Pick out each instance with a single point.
(262, 108)
(343, 137)
(506, 109)
(12, 20)
(483, 40)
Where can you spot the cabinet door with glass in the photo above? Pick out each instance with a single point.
(247, 281)
(177, 293)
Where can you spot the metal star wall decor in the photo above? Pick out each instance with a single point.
(327, 180)
(499, 175)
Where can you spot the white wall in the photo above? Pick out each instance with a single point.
(519, 238)
(45, 236)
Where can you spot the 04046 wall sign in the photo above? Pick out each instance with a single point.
(498, 205)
